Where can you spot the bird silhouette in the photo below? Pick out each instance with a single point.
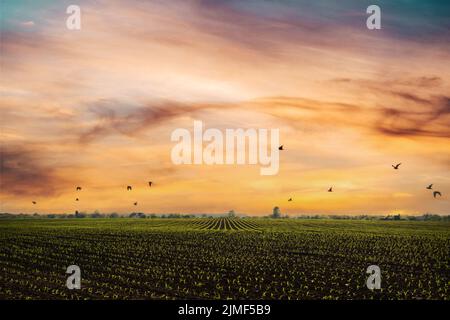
(396, 166)
(135, 203)
(34, 202)
(437, 193)
(129, 188)
(280, 147)
(331, 189)
(78, 188)
(76, 199)
(430, 187)
(150, 183)
(290, 199)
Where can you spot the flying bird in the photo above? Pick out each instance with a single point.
(34, 202)
(430, 187)
(331, 189)
(135, 203)
(129, 188)
(396, 166)
(150, 183)
(280, 147)
(290, 199)
(76, 199)
(437, 193)
(78, 188)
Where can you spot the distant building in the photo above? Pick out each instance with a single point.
(276, 213)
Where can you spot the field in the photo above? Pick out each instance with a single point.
(233, 258)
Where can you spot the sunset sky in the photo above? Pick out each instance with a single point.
(96, 107)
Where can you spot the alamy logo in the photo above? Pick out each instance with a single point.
(74, 280)
(374, 279)
(373, 22)
(73, 21)
(227, 148)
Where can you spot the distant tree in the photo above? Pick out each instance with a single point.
(431, 217)
(231, 214)
(80, 214)
(137, 215)
(114, 215)
(97, 214)
(276, 213)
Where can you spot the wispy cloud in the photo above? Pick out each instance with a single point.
(26, 171)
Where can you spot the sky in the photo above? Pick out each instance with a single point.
(96, 107)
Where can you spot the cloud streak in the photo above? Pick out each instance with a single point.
(24, 173)
(432, 120)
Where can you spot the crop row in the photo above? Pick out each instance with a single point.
(182, 259)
